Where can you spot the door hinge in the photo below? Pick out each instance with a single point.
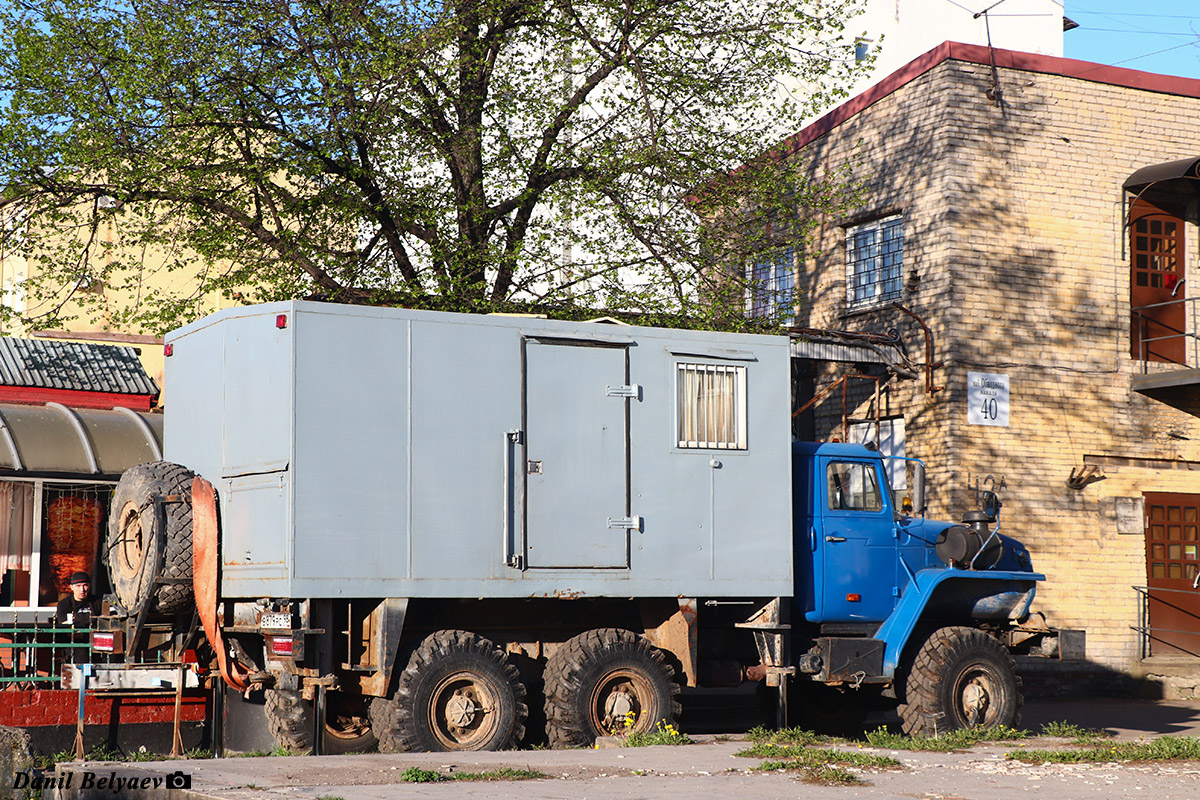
(633, 523)
(632, 390)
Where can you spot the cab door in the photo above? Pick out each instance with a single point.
(857, 539)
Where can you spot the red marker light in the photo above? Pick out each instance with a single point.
(168, 350)
(281, 320)
(854, 597)
(280, 645)
(104, 642)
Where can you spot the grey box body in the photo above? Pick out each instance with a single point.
(365, 452)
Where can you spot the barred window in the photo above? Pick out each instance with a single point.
(874, 262)
(711, 406)
(771, 285)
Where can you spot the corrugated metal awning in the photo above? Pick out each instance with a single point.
(837, 351)
(55, 439)
(73, 366)
(1167, 171)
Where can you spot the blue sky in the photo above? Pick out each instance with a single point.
(1150, 35)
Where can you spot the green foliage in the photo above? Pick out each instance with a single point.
(1163, 748)
(663, 733)
(418, 775)
(102, 752)
(1069, 730)
(946, 742)
(825, 766)
(455, 153)
(786, 736)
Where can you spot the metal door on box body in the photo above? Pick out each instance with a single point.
(1172, 565)
(576, 449)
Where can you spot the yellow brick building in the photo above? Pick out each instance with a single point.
(996, 209)
(107, 278)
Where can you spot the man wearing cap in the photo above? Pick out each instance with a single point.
(77, 609)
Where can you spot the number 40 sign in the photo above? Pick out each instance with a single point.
(987, 399)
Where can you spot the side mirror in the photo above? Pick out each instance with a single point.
(991, 506)
(918, 488)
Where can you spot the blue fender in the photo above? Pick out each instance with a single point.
(994, 595)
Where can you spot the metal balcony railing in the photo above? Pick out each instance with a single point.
(1149, 317)
(1186, 642)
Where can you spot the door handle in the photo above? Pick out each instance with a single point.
(835, 538)
(511, 440)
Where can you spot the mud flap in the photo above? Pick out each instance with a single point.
(205, 577)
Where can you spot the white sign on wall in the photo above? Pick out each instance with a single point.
(987, 399)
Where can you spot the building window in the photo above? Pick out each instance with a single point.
(711, 406)
(874, 262)
(771, 285)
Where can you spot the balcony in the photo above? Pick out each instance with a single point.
(1167, 339)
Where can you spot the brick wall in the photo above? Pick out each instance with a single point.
(51, 707)
(1015, 256)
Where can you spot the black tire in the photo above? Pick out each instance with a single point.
(960, 678)
(347, 727)
(596, 679)
(458, 692)
(134, 533)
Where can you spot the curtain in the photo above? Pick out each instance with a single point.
(16, 526)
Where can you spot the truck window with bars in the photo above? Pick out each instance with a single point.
(711, 406)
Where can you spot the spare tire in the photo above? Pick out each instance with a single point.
(136, 533)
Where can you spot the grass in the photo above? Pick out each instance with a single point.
(821, 765)
(102, 752)
(1079, 735)
(278, 752)
(947, 742)
(418, 775)
(761, 735)
(792, 750)
(1164, 748)
(663, 733)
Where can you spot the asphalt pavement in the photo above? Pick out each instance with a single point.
(709, 768)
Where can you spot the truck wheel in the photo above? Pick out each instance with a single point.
(458, 692)
(960, 678)
(606, 682)
(134, 533)
(347, 727)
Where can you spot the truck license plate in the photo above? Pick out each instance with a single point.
(275, 621)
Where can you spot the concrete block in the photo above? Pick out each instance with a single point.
(15, 757)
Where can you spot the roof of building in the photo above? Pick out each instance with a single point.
(73, 366)
(57, 440)
(1003, 59)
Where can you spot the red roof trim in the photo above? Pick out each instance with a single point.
(35, 395)
(1005, 59)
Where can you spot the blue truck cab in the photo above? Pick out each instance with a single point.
(882, 594)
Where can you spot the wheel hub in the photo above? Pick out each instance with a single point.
(975, 701)
(461, 709)
(460, 715)
(618, 705)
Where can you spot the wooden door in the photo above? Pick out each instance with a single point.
(1157, 280)
(1172, 562)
